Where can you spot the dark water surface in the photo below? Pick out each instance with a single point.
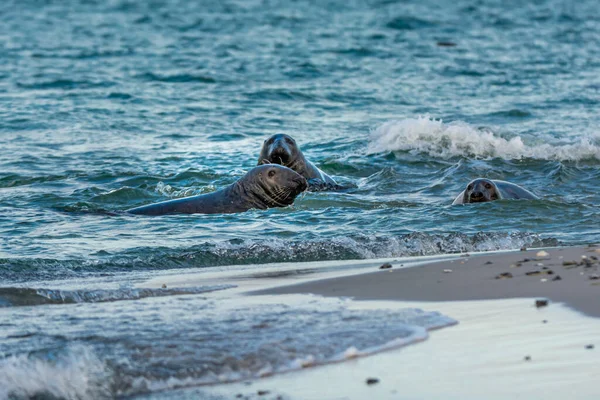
(106, 105)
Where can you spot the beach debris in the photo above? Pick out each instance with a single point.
(539, 303)
(488, 262)
(517, 265)
(526, 260)
(540, 272)
(527, 358)
(262, 392)
(447, 271)
(594, 277)
(164, 286)
(523, 248)
(504, 275)
(569, 263)
(372, 381)
(542, 254)
(386, 266)
(583, 257)
(557, 278)
(589, 346)
(467, 255)
(539, 264)
(543, 280)
(533, 273)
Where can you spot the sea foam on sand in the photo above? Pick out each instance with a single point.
(501, 349)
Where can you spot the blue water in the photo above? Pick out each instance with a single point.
(106, 105)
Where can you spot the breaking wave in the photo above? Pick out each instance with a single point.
(251, 251)
(425, 135)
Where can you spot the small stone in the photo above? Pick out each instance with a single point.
(543, 280)
(386, 266)
(526, 259)
(594, 277)
(372, 381)
(447, 271)
(239, 396)
(527, 358)
(567, 263)
(523, 248)
(542, 254)
(549, 272)
(541, 303)
(532, 273)
(584, 257)
(467, 255)
(504, 275)
(589, 346)
(545, 321)
(488, 263)
(262, 392)
(539, 264)
(164, 286)
(557, 278)
(594, 258)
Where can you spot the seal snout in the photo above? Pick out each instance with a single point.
(477, 196)
(302, 183)
(279, 155)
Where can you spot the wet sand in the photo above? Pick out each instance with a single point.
(566, 275)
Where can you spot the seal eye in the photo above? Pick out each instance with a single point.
(271, 173)
(488, 186)
(289, 140)
(469, 187)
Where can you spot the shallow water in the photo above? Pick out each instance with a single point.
(106, 105)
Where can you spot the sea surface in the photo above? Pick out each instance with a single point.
(107, 105)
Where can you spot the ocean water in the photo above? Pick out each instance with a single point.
(107, 105)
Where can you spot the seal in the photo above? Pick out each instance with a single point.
(481, 190)
(282, 149)
(263, 187)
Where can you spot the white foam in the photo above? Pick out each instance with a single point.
(78, 375)
(435, 138)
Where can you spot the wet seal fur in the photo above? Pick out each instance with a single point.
(263, 187)
(481, 190)
(282, 149)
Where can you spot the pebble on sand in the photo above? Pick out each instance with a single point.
(541, 303)
(372, 381)
(386, 266)
(542, 254)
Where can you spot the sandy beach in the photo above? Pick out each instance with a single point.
(527, 335)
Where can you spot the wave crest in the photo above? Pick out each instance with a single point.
(459, 139)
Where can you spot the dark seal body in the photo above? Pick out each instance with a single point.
(282, 149)
(262, 187)
(481, 190)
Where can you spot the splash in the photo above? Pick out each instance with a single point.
(78, 374)
(425, 135)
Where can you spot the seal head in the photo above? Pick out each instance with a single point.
(281, 149)
(271, 185)
(481, 190)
